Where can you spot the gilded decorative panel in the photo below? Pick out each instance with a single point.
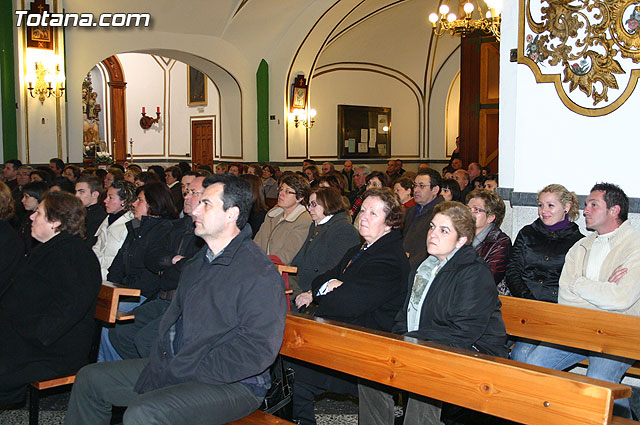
(589, 49)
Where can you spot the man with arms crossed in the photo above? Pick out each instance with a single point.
(220, 334)
(601, 272)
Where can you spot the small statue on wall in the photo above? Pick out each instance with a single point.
(90, 111)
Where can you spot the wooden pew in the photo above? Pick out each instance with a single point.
(496, 386)
(106, 311)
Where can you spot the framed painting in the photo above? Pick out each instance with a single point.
(196, 87)
(40, 37)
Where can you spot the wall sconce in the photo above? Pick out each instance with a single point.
(304, 117)
(44, 88)
(146, 122)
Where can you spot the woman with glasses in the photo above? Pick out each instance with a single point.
(286, 225)
(330, 236)
(366, 288)
(491, 243)
(537, 256)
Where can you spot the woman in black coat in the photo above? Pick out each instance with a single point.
(537, 256)
(367, 288)
(47, 310)
(454, 302)
(11, 245)
(140, 259)
(330, 236)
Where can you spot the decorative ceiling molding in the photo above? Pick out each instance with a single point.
(589, 45)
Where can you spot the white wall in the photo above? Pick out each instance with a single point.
(542, 141)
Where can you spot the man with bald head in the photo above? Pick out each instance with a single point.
(462, 177)
(133, 340)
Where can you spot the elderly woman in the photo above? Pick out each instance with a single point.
(453, 301)
(330, 236)
(47, 309)
(491, 243)
(140, 259)
(366, 288)
(113, 230)
(403, 187)
(537, 256)
(11, 245)
(286, 225)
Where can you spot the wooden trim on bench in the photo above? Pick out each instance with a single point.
(260, 418)
(107, 304)
(500, 387)
(51, 383)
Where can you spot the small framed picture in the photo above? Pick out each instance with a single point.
(196, 87)
(299, 97)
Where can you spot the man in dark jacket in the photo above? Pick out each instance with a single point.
(216, 341)
(418, 217)
(88, 189)
(133, 339)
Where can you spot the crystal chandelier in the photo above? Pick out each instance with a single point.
(488, 22)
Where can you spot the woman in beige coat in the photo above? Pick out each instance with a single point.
(286, 225)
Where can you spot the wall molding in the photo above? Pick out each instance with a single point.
(530, 199)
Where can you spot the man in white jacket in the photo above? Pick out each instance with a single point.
(601, 272)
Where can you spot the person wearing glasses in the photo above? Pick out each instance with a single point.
(286, 225)
(330, 236)
(538, 254)
(418, 217)
(491, 243)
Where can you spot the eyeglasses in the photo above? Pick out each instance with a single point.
(285, 190)
(477, 210)
(422, 186)
(372, 184)
(312, 204)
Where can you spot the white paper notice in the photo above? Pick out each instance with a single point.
(352, 145)
(372, 138)
(363, 148)
(364, 135)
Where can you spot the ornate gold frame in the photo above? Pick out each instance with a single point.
(560, 24)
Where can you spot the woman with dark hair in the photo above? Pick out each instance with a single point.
(11, 245)
(113, 230)
(270, 185)
(330, 236)
(450, 190)
(335, 180)
(47, 307)
(62, 184)
(491, 243)
(159, 171)
(286, 225)
(114, 174)
(313, 174)
(140, 259)
(71, 172)
(259, 207)
(366, 288)
(403, 187)
(146, 177)
(378, 179)
(32, 194)
(453, 301)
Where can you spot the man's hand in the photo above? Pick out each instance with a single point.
(176, 259)
(304, 299)
(618, 274)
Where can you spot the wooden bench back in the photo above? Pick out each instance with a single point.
(593, 330)
(496, 386)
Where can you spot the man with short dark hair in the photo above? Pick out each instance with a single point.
(601, 272)
(88, 190)
(399, 170)
(456, 163)
(216, 341)
(307, 162)
(172, 177)
(359, 187)
(11, 173)
(418, 217)
(56, 165)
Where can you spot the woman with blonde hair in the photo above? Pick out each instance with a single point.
(537, 256)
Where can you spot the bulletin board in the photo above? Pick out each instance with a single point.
(364, 132)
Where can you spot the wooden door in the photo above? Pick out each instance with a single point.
(202, 142)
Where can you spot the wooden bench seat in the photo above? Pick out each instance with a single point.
(260, 418)
(496, 386)
(106, 311)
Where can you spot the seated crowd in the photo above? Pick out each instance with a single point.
(417, 254)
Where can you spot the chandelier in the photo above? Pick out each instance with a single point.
(488, 22)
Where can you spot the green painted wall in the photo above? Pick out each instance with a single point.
(8, 96)
(262, 80)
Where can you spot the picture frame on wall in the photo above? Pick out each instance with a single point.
(299, 98)
(196, 87)
(40, 37)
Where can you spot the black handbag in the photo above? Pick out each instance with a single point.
(277, 402)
